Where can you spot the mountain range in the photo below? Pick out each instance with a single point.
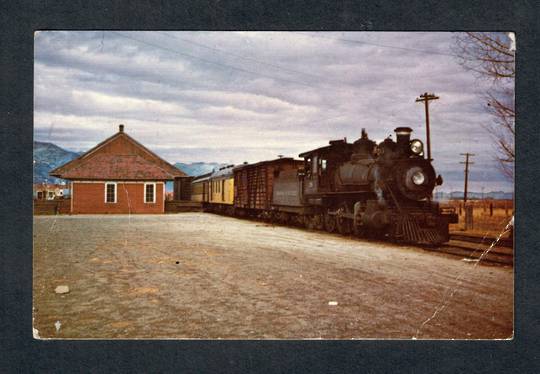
(198, 168)
(458, 195)
(48, 156)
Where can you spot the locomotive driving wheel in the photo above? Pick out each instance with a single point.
(329, 222)
(344, 224)
(314, 222)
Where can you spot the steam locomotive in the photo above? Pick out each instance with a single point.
(363, 188)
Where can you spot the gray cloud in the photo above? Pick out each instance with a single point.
(249, 96)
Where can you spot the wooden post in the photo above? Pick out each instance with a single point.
(426, 98)
(469, 217)
(467, 163)
(491, 209)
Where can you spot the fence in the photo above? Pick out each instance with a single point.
(178, 206)
(51, 207)
(482, 216)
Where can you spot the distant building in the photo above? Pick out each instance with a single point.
(119, 175)
(48, 191)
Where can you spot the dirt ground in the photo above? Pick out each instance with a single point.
(198, 275)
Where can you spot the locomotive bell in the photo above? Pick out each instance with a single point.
(403, 138)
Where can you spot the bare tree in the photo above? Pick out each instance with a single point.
(492, 56)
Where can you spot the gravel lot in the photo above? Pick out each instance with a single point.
(198, 275)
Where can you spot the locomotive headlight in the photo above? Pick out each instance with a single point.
(417, 147)
(418, 178)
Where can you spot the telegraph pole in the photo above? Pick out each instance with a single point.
(467, 163)
(426, 98)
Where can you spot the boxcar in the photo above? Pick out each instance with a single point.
(253, 184)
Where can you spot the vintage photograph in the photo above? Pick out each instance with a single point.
(273, 185)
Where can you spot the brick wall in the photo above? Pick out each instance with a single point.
(89, 198)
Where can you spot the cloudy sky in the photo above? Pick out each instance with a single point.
(250, 96)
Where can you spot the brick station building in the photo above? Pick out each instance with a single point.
(119, 175)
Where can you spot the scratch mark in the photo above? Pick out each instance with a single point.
(126, 233)
(51, 129)
(102, 39)
(512, 37)
(446, 299)
(35, 332)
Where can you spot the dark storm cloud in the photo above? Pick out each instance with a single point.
(232, 97)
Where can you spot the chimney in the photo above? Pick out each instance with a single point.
(121, 128)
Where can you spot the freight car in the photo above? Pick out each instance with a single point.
(254, 183)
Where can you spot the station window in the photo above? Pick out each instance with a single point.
(110, 192)
(149, 192)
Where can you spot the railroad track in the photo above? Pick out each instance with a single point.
(502, 242)
(472, 248)
(469, 248)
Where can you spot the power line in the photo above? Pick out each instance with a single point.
(241, 56)
(320, 78)
(385, 46)
(210, 61)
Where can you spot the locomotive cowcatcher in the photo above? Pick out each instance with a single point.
(373, 190)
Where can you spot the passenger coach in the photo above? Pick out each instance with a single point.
(215, 190)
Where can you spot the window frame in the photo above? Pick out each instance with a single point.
(324, 165)
(115, 192)
(153, 193)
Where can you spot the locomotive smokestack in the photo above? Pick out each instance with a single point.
(364, 134)
(403, 137)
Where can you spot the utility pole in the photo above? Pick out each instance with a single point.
(467, 163)
(426, 98)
